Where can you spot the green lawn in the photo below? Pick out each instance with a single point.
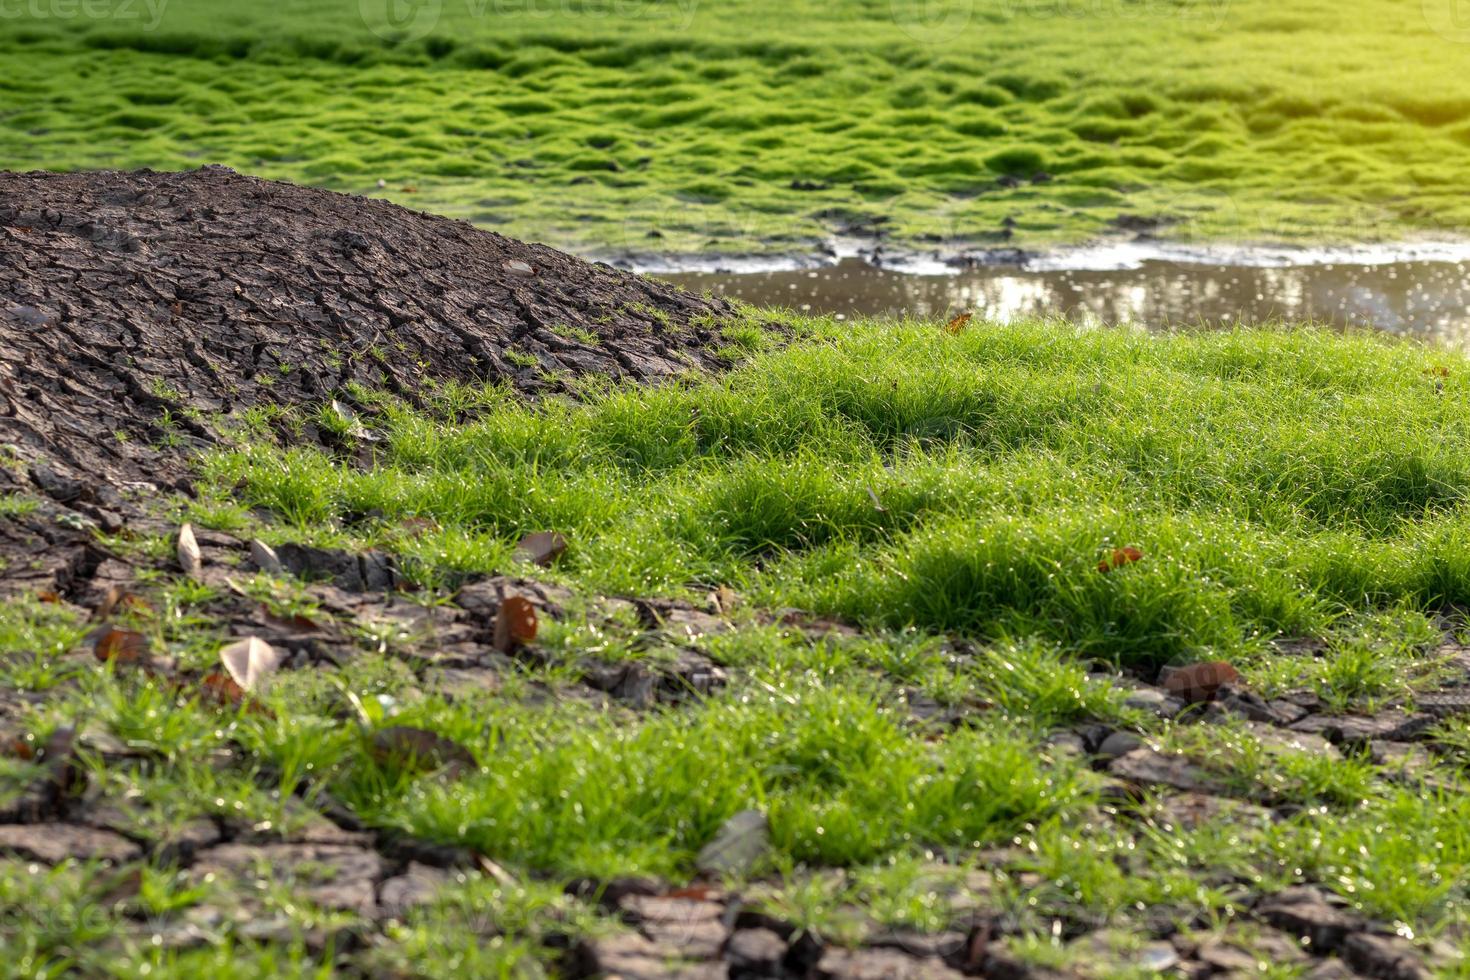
(760, 125)
(954, 496)
(897, 475)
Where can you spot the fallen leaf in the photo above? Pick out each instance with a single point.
(1199, 682)
(724, 600)
(695, 893)
(48, 597)
(355, 428)
(494, 871)
(741, 843)
(418, 750)
(1119, 557)
(250, 661)
(1438, 371)
(264, 557)
(541, 547)
(118, 597)
(515, 623)
(294, 623)
(190, 559)
(417, 527)
(221, 689)
(957, 324)
(520, 268)
(410, 189)
(121, 646)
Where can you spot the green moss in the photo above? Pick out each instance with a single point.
(728, 106)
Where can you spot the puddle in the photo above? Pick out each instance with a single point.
(1427, 295)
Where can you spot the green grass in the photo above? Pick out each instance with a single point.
(900, 477)
(1280, 483)
(759, 125)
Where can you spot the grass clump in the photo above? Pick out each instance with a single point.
(895, 476)
(841, 781)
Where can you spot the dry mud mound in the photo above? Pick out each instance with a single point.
(135, 307)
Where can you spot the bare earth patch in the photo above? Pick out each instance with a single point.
(135, 305)
(137, 310)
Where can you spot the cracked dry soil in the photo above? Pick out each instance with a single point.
(134, 306)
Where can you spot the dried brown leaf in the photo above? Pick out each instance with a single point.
(515, 623)
(264, 557)
(1199, 682)
(118, 597)
(122, 647)
(1119, 557)
(495, 872)
(221, 689)
(250, 661)
(957, 324)
(541, 547)
(419, 750)
(293, 623)
(187, 549)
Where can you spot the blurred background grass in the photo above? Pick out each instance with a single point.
(609, 126)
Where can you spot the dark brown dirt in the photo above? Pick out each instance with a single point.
(137, 307)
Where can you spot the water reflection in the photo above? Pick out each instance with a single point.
(1426, 298)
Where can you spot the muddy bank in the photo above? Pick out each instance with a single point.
(134, 307)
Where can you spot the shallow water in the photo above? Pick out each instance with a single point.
(1429, 298)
